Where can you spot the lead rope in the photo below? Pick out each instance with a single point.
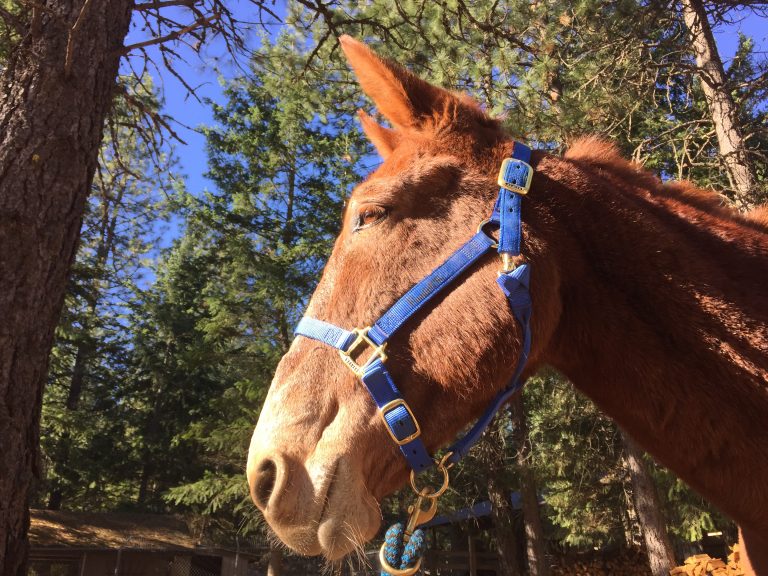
(405, 559)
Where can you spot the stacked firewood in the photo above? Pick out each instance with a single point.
(703, 565)
(635, 563)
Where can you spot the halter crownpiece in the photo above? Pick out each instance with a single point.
(514, 179)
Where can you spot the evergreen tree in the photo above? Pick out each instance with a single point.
(83, 429)
(283, 156)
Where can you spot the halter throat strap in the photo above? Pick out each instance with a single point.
(514, 180)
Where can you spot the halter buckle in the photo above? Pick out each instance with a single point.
(362, 340)
(506, 173)
(387, 408)
(481, 228)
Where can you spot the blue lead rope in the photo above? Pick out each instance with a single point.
(399, 556)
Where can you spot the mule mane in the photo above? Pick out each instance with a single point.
(605, 156)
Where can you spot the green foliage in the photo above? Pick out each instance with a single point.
(557, 70)
(749, 76)
(577, 455)
(85, 417)
(690, 515)
(283, 160)
(11, 14)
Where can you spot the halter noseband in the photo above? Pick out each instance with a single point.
(514, 179)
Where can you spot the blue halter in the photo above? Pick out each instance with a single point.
(515, 180)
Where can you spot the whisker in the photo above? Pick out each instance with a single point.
(355, 537)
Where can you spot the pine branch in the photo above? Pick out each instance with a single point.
(71, 38)
(201, 22)
(12, 20)
(157, 4)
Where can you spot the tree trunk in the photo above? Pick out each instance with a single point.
(492, 456)
(535, 545)
(54, 499)
(56, 91)
(146, 473)
(472, 550)
(275, 567)
(724, 114)
(661, 556)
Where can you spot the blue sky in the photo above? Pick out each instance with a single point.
(204, 73)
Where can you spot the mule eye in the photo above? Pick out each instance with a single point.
(369, 215)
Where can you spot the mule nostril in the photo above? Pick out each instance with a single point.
(266, 475)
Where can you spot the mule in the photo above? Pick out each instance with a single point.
(650, 297)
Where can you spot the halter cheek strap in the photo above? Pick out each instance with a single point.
(514, 181)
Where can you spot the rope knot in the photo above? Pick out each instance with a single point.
(399, 558)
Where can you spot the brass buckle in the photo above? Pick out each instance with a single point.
(501, 181)
(506, 259)
(362, 339)
(388, 407)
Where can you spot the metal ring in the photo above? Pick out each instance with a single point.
(481, 227)
(397, 571)
(428, 491)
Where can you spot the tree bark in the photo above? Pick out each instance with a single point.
(535, 545)
(56, 91)
(275, 567)
(724, 113)
(501, 508)
(661, 555)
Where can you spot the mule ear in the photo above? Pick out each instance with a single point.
(404, 99)
(383, 139)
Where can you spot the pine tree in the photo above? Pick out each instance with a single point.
(59, 51)
(83, 424)
(53, 148)
(283, 157)
(723, 111)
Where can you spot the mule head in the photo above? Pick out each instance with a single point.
(321, 458)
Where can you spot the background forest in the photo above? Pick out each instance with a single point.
(181, 300)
